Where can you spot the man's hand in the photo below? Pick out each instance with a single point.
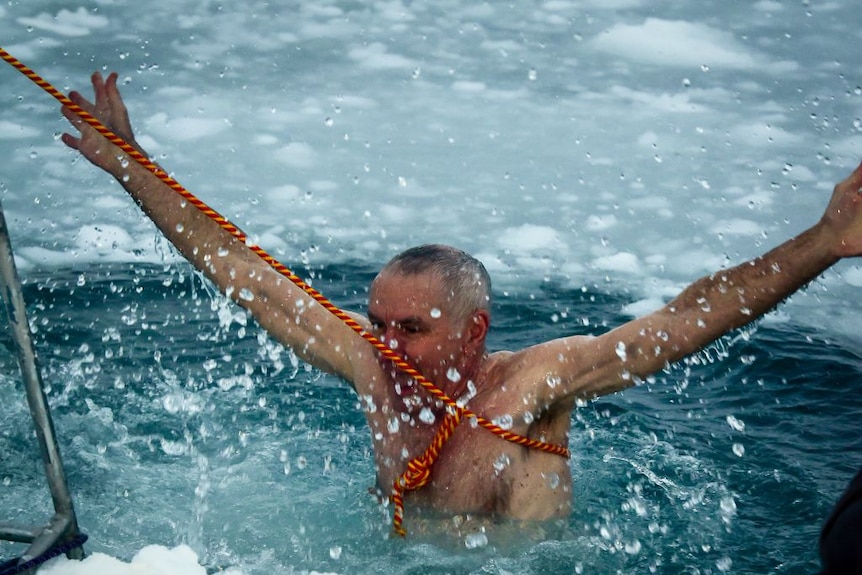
(843, 217)
(110, 110)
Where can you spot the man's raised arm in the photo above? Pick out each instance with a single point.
(708, 308)
(283, 309)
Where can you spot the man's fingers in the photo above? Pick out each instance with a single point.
(73, 118)
(82, 102)
(119, 113)
(98, 85)
(71, 141)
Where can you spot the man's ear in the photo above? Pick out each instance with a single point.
(477, 328)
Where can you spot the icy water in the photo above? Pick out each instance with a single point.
(182, 423)
(596, 155)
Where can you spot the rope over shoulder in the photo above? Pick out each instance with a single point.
(240, 236)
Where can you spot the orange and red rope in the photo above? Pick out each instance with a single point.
(427, 459)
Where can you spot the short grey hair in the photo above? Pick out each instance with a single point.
(464, 277)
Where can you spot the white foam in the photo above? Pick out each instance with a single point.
(296, 155)
(468, 87)
(853, 276)
(186, 128)
(599, 222)
(623, 262)
(676, 43)
(151, 560)
(376, 56)
(738, 227)
(760, 133)
(81, 22)
(530, 238)
(680, 102)
(16, 131)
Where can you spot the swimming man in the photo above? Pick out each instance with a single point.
(431, 306)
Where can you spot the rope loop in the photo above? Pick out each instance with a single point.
(417, 475)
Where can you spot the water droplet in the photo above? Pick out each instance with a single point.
(504, 421)
(453, 375)
(621, 351)
(738, 449)
(728, 506)
(532, 75)
(501, 463)
(435, 313)
(427, 416)
(246, 294)
(335, 552)
(301, 462)
(180, 227)
(393, 425)
(736, 424)
(475, 540)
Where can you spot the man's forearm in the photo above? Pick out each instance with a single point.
(731, 298)
(197, 237)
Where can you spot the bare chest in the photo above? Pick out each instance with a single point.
(474, 471)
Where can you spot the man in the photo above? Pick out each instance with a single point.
(431, 306)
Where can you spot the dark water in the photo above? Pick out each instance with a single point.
(180, 421)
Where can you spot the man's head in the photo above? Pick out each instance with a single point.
(431, 305)
(463, 278)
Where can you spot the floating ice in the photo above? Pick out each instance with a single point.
(81, 22)
(676, 43)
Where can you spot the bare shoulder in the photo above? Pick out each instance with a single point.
(541, 375)
(552, 356)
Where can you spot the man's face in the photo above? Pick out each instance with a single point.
(412, 315)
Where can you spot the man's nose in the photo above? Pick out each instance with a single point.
(390, 339)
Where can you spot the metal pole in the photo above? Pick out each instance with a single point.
(16, 311)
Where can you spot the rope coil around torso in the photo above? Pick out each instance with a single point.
(418, 472)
